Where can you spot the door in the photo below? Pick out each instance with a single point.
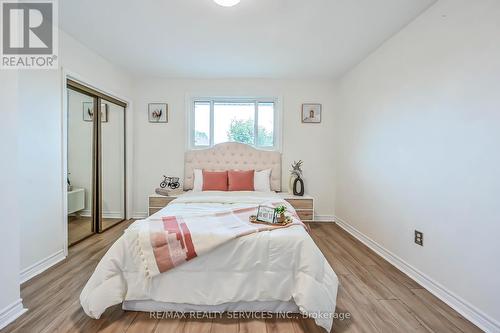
(112, 164)
(80, 179)
(96, 162)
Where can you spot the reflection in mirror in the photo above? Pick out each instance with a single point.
(80, 141)
(112, 164)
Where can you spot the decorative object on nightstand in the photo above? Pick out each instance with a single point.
(171, 182)
(303, 205)
(296, 174)
(298, 183)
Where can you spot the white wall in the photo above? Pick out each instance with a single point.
(418, 138)
(76, 58)
(159, 148)
(10, 302)
(41, 154)
(40, 165)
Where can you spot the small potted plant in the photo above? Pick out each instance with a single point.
(280, 213)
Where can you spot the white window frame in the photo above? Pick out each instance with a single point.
(191, 100)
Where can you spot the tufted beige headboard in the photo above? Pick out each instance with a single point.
(232, 156)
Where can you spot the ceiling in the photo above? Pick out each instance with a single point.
(255, 39)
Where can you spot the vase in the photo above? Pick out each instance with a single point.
(290, 183)
(298, 187)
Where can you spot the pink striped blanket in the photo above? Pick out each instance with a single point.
(170, 241)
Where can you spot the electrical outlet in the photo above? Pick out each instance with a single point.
(419, 238)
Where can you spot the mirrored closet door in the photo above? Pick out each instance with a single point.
(80, 165)
(112, 164)
(96, 162)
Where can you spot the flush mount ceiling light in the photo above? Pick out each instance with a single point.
(227, 3)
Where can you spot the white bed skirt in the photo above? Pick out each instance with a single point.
(268, 306)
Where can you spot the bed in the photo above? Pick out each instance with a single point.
(279, 270)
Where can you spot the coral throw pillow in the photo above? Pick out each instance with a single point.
(214, 181)
(241, 180)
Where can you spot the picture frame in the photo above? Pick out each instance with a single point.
(158, 112)
(88, 112)
(104, 113)
(266, 214)
(311, 113)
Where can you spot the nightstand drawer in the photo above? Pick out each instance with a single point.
(305, 215)
(159, 201)
(154, 210)
(301, 203)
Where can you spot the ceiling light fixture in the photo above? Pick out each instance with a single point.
(227, 3)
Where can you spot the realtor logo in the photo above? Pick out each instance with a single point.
(29, 34)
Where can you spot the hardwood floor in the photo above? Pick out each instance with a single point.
(80, 227)
(378, 296)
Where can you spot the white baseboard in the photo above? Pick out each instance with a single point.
(106, 215)
(112, 215)
(11, 312)
(85, 213)
(469, 311)
(41, 266)
(324, 218)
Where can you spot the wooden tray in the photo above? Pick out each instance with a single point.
(253, 219)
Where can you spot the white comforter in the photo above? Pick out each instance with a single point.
(283, 264)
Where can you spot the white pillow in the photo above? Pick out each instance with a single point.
(198, 180)
(262, 180)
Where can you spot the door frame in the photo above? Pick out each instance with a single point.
(68, 75)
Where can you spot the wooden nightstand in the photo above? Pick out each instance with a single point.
(303, 205)
(157, 202)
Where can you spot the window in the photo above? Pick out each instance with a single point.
(217, 120)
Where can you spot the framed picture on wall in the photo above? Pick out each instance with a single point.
(104, 113)
(88, 112)
(158, 112)
(311, 113)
